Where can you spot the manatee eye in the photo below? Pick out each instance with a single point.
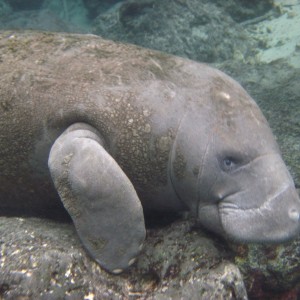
(231, 161)
(228, 164)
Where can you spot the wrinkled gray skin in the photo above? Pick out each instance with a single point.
(125, 129)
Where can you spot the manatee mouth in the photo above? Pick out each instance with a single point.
(276, 220)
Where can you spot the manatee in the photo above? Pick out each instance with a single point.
(114, 131)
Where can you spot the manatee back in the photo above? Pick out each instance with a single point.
(135, 97)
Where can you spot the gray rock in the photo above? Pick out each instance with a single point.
(191, 28)
(271, 270)
(42, 259)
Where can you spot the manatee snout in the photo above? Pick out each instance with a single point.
(293, 210)
(276, 220)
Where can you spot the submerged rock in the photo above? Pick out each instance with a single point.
(270, 271)
(191, 29)
(43, 259)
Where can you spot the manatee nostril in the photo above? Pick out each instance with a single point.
(294, 214)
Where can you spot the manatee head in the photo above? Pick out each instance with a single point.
(226, 166)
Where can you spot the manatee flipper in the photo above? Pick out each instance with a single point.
(100, 198)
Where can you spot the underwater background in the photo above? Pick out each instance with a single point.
(256, 42)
